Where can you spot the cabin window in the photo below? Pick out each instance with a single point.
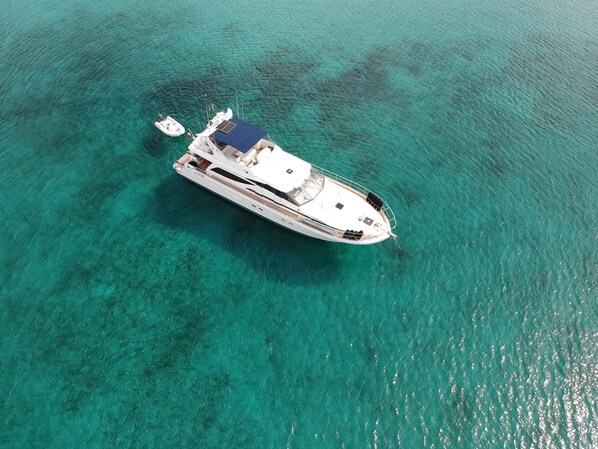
(229, 175)
(276, 192)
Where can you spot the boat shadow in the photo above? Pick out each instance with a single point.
(154, 145)
(279, 254)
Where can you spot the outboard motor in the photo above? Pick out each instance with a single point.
(374, 201)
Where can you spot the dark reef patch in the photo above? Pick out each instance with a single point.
(368, 80)
(409, 196)
(285, 72)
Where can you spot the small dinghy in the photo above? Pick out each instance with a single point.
(169, 126)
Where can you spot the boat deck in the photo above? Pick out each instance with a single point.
(203, 163)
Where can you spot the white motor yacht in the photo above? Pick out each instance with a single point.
(235, 160)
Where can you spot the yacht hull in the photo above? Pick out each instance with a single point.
(262, 209)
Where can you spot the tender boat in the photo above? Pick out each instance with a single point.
(169, 126)
(235, 160)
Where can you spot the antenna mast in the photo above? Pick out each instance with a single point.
(205, 102)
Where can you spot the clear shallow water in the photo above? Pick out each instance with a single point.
(139, 310)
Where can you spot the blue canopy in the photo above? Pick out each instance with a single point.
(243, 136)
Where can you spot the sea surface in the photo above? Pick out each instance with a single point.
(139, 311)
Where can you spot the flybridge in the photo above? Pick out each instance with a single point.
(238, 134)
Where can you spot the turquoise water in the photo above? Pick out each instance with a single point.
(137, 310)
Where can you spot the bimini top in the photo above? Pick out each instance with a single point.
(238, 134)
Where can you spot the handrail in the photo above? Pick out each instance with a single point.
(388, 213)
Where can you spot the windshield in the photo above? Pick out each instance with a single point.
(309, 189)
